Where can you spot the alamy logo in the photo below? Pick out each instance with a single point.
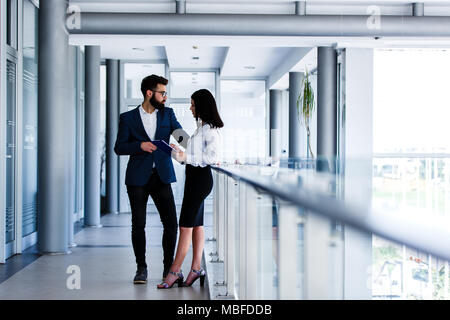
(374, 20)
(74, 280)
(73, 20)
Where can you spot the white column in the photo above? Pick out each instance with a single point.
(358, 174)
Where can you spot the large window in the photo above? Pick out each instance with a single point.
(184, 84)
(135, 72)
(410, 174)
(411, 101)
(243, 110)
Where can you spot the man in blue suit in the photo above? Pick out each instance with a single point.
(149, 170)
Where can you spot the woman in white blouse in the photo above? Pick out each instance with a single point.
(201, 152)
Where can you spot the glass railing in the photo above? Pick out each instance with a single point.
(419, 184)
(309, 229)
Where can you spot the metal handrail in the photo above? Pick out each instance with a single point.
(412, 155)
(427, 235)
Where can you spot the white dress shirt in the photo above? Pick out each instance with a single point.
(149, 120)
(203, 147)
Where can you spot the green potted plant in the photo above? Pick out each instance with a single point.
(305, 107)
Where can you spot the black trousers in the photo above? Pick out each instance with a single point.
(198, 185)
(162, 196)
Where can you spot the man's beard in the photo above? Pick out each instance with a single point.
(156, 104)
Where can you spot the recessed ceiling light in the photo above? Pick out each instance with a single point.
(195, 46)
(138, 49)
(249, 67)
(195, 58)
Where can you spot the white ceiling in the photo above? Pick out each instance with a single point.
(234, 57)
(183, 56)
(243, 56)
(252, 61)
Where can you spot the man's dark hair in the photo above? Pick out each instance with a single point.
(151, 82)
(206, 108)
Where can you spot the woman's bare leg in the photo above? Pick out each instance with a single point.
(184, 242)
(198, 243)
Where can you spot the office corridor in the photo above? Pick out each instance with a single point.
(106, 263)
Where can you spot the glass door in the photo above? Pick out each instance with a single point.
(10, 208)
(29, 125)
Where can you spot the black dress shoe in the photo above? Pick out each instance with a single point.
(141, 276)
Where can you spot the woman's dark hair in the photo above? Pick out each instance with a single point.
(206, 108)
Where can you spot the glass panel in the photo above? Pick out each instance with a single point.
(133, 75)
(11, 23)
(400, 272)
(396, 196)
(30, 119)
(243, 110)
(300, 257)
(267, 250)
(419, 186)
(10, 149)
(184, 84)
(237, 238)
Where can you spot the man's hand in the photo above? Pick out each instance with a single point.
(148, 147)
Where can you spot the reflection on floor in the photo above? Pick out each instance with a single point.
(106, 266)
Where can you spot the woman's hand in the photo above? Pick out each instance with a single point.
(177, 154)
(180, 156)
(175, 147)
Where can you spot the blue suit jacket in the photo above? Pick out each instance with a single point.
(129, 138)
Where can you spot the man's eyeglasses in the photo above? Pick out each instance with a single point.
(163, 93)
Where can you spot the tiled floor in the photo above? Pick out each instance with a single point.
(106, 262)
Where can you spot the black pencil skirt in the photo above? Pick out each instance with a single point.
(197, 187)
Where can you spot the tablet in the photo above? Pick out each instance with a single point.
(164, 146)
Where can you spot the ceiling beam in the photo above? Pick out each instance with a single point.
(296, 55)
(224, 59)
(263, 25)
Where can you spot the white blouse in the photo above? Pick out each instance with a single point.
(203, 147)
